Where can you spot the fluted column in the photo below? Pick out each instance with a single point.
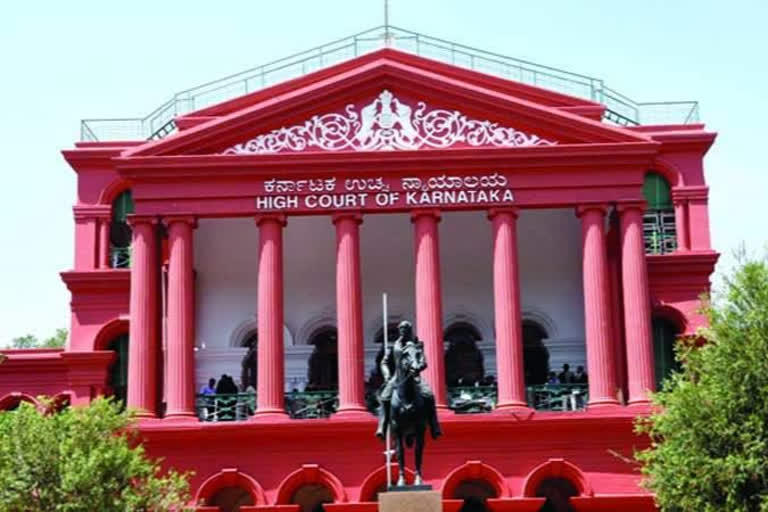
(270, 363)
(143, 335)
(429, 306)
(349, 313)
(507, 317)
(103, 259)
(637, 305)
(180, 348)
(600, 349)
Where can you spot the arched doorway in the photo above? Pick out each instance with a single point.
(323, 372)
(557, 491)
(535, 354)
(310, 497)
(120, 233)
(474, 493)
(249, 364)
(463, 360)
(230, 499)
(118, 371)
(665, 334)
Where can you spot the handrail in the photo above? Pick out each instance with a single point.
(336, 51)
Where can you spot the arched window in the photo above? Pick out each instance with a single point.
(535, 354)
(120, 232)
(323, 372)
(474, 488)
(310, 497)
(665, 333)
(659, 218)
(556, 491)
(463, 360)
(118, 372)
(230, 499)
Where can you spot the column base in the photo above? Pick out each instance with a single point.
(267, 415)
(604, 404)
(353, 413)
(513, 407)
(144, 415)
(180, 416)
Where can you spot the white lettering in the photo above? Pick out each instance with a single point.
(508, 197)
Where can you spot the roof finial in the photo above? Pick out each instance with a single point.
(387, 35)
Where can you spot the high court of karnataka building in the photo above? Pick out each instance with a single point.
(522, 217)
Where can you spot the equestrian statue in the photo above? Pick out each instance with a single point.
(406, 404)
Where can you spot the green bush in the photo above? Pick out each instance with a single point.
(709, 434)
(81, 459)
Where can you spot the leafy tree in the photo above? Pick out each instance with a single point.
(31, 341)
(81, 459)
(709, 435)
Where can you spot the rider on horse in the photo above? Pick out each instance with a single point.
(390, 360)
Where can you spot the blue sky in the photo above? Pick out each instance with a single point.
(63, 61)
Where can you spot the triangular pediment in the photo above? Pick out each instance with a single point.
(388, 101)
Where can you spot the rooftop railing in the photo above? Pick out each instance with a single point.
(160, 122)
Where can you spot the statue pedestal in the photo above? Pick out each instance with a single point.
(409, 499)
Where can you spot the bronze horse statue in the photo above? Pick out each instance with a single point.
(408, 409)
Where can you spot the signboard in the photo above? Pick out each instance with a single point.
(376, 193)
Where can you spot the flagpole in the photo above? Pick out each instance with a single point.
(386, 427)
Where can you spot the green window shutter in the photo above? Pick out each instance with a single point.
(122, 206)
(664, 337)
(657, 192)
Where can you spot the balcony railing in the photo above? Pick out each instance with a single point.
(472, 399)
(160, 122)
(307, 405)
(303, 405)
(229, 407)
(119, 257)
(558, 397)
(659, 231)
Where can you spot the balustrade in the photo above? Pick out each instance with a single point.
(303, 405)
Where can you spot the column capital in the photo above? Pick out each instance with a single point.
(187, 219)
(354, 215)
(133, 219)
(274, 217)
(584, 208)
(425, 212)
(511, 210)
(631, 205)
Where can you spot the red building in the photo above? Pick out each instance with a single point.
(523, 217)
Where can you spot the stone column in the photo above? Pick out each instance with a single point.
(349, 311)
(143, 347)
(637, 305)
(180, 348)
(429, 306)
(507, 317)
(600, 348)
(270, 361)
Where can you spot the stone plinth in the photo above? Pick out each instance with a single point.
(410, 501)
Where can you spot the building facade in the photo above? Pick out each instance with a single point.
(520, 228)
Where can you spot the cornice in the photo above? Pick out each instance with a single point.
(601, 155)
(92, 211)
(101, 280)
(700, 192)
